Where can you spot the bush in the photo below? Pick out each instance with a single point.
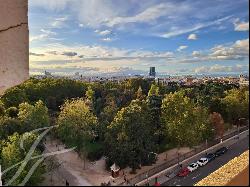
(95, 151)
(12, 112)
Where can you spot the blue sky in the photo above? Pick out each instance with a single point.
(122, 37)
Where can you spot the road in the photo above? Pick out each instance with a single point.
(234, 151)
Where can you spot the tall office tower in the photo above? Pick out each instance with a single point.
(152, 72)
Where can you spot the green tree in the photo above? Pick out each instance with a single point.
(139, 94)
(184, 122)
(11, 154)
(154, 102)
(33, 116)
(129, 137)
(9, 126)
(77, 125)
(13, 97)
(2, 109)
(236, 104)
(12, 112)
(154, 90)
(106, 117)
(90, 98)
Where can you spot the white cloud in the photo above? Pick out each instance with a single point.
(55, 5)
(46, 34)
(59, 22)
(148, 15)
(239, 50)
(182, 47)
(81, 25)
(219, 69)
(192, 37)
(107, 39)
(104, 32)
(179, 31)
(196, 54)
(241, 26)
(91, 53)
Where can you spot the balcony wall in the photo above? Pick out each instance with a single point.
(14, 43)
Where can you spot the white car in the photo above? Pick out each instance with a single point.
(192, 167)
(202, 162)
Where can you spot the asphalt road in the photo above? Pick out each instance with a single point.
(234, 151)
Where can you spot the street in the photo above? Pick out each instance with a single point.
(234, 151)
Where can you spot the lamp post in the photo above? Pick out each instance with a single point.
(206, 146)
(178, 159)
(238, 132)
(147, 179)
(1, 176)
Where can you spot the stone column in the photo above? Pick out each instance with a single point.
(14, 43)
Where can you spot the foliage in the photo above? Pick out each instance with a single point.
(2, 109)
(185, 124)
(154, 90)
(236, 103)
(90, 99)
(11, 154)
(77, 124)
(12, 112)
(154, 102)
(9, 126)
(129, 136)
(33, 116)
(13, 97)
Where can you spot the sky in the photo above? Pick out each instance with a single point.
(126, 37)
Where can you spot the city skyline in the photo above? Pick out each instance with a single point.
(127, 37)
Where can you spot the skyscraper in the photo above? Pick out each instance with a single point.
(152, 72)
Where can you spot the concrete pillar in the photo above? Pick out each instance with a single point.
(14, 43)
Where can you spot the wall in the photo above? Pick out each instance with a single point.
(14, 43)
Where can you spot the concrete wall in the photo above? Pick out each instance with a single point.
(14, 43)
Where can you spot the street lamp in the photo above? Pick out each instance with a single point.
(206, 146)
(1, 176)
(178, 158)
(147, 179)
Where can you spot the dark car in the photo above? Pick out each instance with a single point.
(210, 157)
(221, 151)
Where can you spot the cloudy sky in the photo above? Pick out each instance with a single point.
(122, 37)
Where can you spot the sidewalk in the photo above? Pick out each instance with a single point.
(171, 154)
(72, 168)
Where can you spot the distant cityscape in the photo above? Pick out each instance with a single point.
(188, 80)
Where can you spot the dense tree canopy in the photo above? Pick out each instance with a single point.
(236, 103)
(128, 119)
(185, 124)
(129, 137)
(11, 153)
(77, 124)
(13, 97)
(33, 116)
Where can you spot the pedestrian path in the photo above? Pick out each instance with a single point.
(72, 168)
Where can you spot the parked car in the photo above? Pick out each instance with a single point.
(202, 162)
(210, 157)
(183, 172)
(192, 167)
(221, 151)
